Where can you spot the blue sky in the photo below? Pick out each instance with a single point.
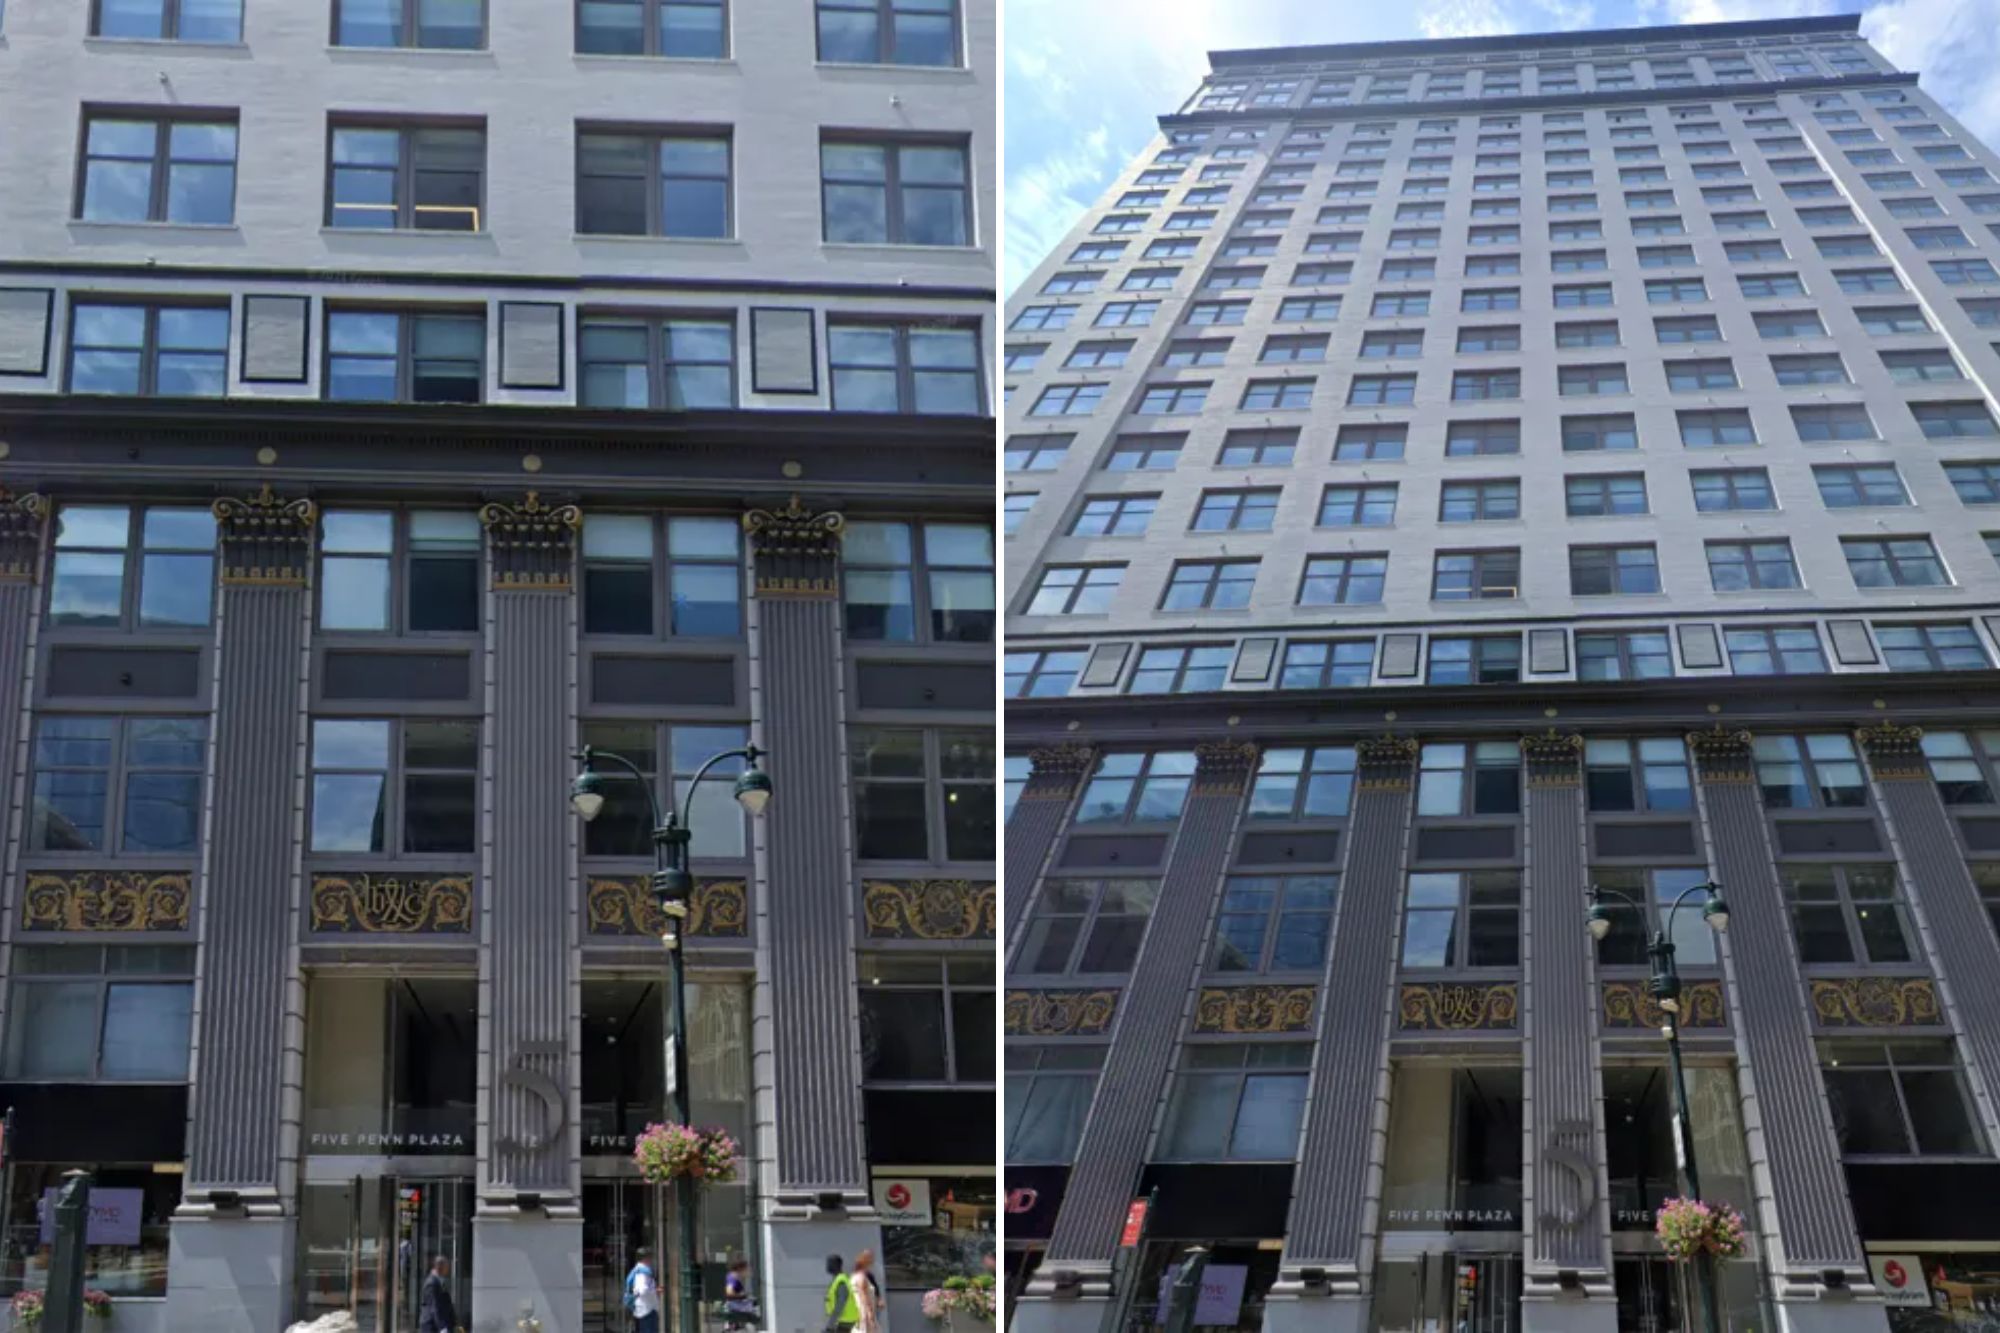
(1086, 79)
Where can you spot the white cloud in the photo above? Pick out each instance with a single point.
(1464, 18)
(1954, 45)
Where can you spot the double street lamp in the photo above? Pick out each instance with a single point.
(1665, 988)
(673, 889)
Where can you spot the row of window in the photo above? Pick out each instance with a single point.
(431, 176)
(676, 362)
(888, 32)
(418, 572)
(1495, 659)
(132, 786)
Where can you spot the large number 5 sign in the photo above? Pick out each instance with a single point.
(526, 1078)
(1562, 1149)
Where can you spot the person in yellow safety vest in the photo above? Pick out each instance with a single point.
(842, 1310)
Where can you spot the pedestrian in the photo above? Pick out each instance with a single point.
(642, 1294)
(435, 1312)
(842, 1311)
(868, 1294)
(739, 1307)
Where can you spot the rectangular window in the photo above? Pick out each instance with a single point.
(1601, 571)
(1144, 453)
(1479, 501)
(167, 20)
(1722, 490)
(1139, 788)
(1761, 286)
(1847, 915)
(422, 177)
(1484, 338)
(1631, 655)
(417, 572)
(1476, 575)
(1894, 562)
(1382, 390)
(921, 368)
(1044, 317)
(385, 787)
(130, 349)
(1596, 434)
(1236, 511)
(1955, 421)
(1359, 443)
(121, 567)
(674, 363)
(1810, 368)
(1684, 329)
(1481, 385)
(1805, 772)
(1898, 1099)
(1075, 590)
(453, 25)
(1789, 324)
(117, 786)
(1483, 299)
(1923, 366)
(1277, 395)
(1477, 779)
(1239, 1103)
(1783, 650)
(921, 795)
(1699, 376)
(1576, 295)
(1343, 580)
(682, 29)
(1042, 675)
(1173, 399)
(1277, 923)
(180, 169)
(1259, 448)
(1049, 1090)
(1114, 516)
(1180, 670)
(1575, 381)
(1389, 344)
(1605, 494)
(389, 356)
(98, 1014)
(1369, 506)
(1466, 439)
(1855, 486)
(1209, 585)
(1647, 774)
(624, 827)
(900, 578)
(1834, 421)
(1139, 314)
(1670, 291)
(893, 192)
(1738, 566)
(1323, 664)
(1931, 647)
(1655, 891)
(1465, 919)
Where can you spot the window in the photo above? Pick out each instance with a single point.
(117, 786)
(1931, 647)
(625, 826)
(1737, 566)
(1847, 914)
(1803, 772)
(426, 177)
(1687, 329)
(1955, 421)
(1225, 279)
(1846, 247)
(1595, 434)
(1408, 270)
(1959, 770)
(1578, 261)
(1483, 338)
(1238, 1102)
(1762, 252)
(1961, 272)
(1114, 516)
(1853, 486)
(1361, 443)
(149, 350)
(167, 170)
(1898, 1099)
(101, 577)
(1789, 324)
(1576, 295)
(1323, 664)
(1770, 285)
(1723, 490)
(1042, 675)
(1479, 501)
(1239, 511)
(1137, 788)
(1295, 348)
(1632, 655)
(895, 193)
(1144, 453)
(1477, 779)
(91, 1014)
(888, 32)
(168, 20)
(1343, 580)
(1923, 366)
(1303, 784)
(1049, 1089)
(923, 368)
(672, 364)
(1781, 650)
(1625, 944)
(1598, 571)
(1075, 590)
(1894, 562)
(1278, 923)
(1277, 395)
(1666, 256)
(1382, 390)
(921, 795)
(1658, 226)
(1476, 575)
(1464, 439)
(1462, 919)
(1862, 281)
(1098, 355)
(1400, 303)
(1048, 317)
(1483, 299)
(391, 356)
(1018, 506)
(1887, 320)
(1838, 421)
(1370, 506)
(1194, 221)
(1603, 494)
(1392, 343)
(1209, 585)
(1020, 357)
(1090, 926)
(1647, 774)
(1172, 399)
(1063, 284)
(1696, 376)
(879, 563)
(1180, 670)
(1297, 309)
(1608, 378)
(1486, 660)
(1480, 385)
(1811, 368)
(1201, 314)
(388, 787)
(417, 572)
(1668, 291)
(1036, 453)
(457, 25)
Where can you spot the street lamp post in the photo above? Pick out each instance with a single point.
(673, 887)
(1665, 988)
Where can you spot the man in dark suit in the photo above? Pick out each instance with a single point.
(435, 1312)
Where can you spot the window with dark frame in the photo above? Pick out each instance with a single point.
(926, 1021)
(1462, 919)
(887, 599)
(1481, 659)
(1933, 646)
(1774, 650)
(406, 356)
(895, 191)
(922, 794)
(1898, 1098)
(139, 349)
(1475, 575)
(700, 594)
(672, 183)
(1195, 670)
(1847, 914)
(416, 571)
(1209, 585)
(1274, 923)
(1656, 891)
(1042, 675)
(1049, 1093)
(1291, 783)
(122, 1013)
(1624, 655)
(680, 29)
(924, 368)
(668, 363)
(1315, 664)
(389, 787)
(451, 25)
(1241, 1102)
(116, 786)
(1075, 590)
(1137, 787)
(179, 168)
(423, 177)
(1650, 773)
(624, 827)
(167, 20)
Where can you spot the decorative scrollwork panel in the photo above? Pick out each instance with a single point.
(106, 900)
(1254, 1009)
(1628, 1005)
(928, 909)
(623, 905)
(1060, 1013)
(1875, 1002)
(1440, 1006)
(369, 904)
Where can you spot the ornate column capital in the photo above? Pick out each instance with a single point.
(1055, 770)
(1554, 758)
(1383, 763)
(1722, 754)
(534, 544)
(265, 539)
(1222, 768)
(797, 551)
(1895, 752)
(21, 520)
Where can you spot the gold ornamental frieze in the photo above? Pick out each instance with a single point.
(623, 905)
(1059, 1013)
(1875, 1002)
(1247, 1009)
(1443, 1006)
(1629, 1006)
(106, 900)
(928, 909)
(371, 904)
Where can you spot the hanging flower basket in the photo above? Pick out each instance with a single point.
(96, 1304)
(665, 1153)
(1687, 1228)
(27, 1308)
(968, 1296)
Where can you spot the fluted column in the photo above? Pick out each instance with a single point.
(22, 521)
(1112, 1152)
(1038, 819)
(1801, 1183)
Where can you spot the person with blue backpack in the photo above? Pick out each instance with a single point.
(642, 1295)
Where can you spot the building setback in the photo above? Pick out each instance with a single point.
(1443, 478)
(394, 398)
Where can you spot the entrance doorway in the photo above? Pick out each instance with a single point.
(1452, 1292)
(1649, 1295)
(366, 1245)
(620, 1218)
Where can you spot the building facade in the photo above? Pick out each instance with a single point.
(1441, 478)
(394, 398)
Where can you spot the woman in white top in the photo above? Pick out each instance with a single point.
(868, 1294)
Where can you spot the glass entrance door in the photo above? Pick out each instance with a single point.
(1449, 1293)
(1649, 1295)
(366, 1245)
(620, 1218)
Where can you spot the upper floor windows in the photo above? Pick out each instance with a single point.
(1847, 914)
(670, 364)
(98, 1014)
(922, 795)
(1137, 788)
(1238, 1102)
(1313, 783)
(1078, 590)
(117, 785)
(671, 184)
(388, 356)
(179, 170)
(687, 29)
(1898, 1099)
(1650, 773)
(417, 572)
(1274, 923)
(624, 827)
(700, 594)
(895, 192)
(402, 786)
(1455, 919)
(121, 567)
(886, 599)
(452, 25)
(1961, 765)
(177, 351)
(168, 20)
(425, 177)
(1477, 779)
(1801, 772)
(884, 367)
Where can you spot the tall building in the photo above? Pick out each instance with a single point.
(1443, 477)
(395, 397)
